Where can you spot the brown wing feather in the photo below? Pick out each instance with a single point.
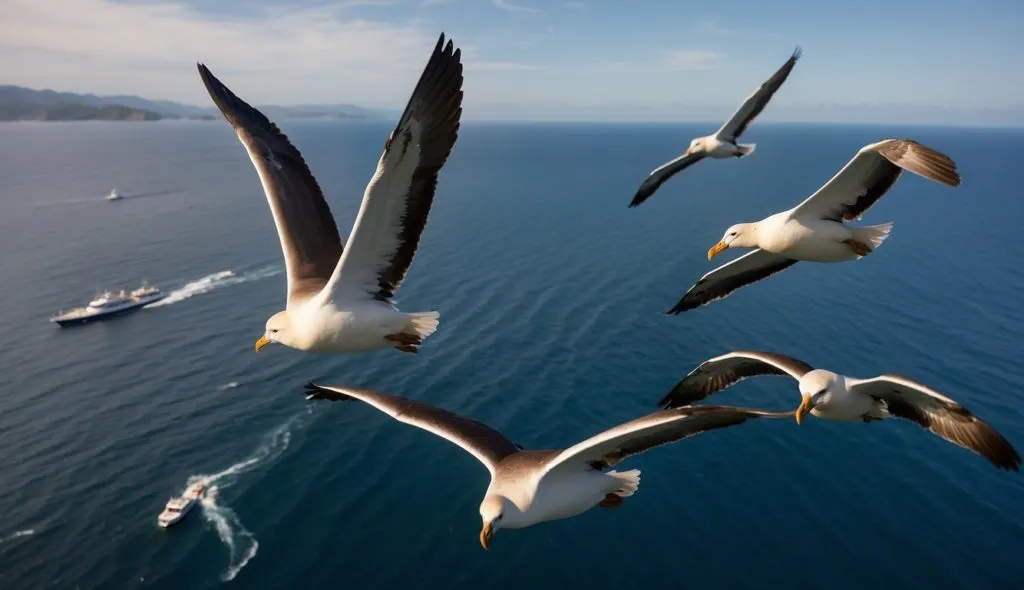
(606, 449)
(485, 443)
(723, 371)
(307, 230)
(905, 398)
(725, 279)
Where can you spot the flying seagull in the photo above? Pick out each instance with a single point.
(531, 487)
(341, 299)
(722, 144)
(815, 230)
(833, 396)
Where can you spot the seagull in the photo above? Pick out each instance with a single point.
(531, 487)
(722, 144)
(341, 299)
(837, 397)
(815, 230)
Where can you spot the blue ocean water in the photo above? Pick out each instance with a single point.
(551, 295)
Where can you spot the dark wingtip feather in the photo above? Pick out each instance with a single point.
(797, 53)
(314, 391)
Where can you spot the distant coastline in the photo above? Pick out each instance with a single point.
(18, 103)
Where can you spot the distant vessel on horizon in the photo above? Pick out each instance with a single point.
(113, 196)
(109, 304)
(178, 506)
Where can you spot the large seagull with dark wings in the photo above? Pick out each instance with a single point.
(340, 299)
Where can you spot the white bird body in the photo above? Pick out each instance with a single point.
(804, 237)
(714, 146)
(557, 496)
(839, 401)
(360, 325)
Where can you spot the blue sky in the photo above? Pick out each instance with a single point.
(954, 61)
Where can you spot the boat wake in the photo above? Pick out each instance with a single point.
(16, 534)
(239, 541)
(216, 280)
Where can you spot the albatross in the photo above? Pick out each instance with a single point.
(815, 230)
(340, 299)
(722, 143)
(530, 487)
(833, 396)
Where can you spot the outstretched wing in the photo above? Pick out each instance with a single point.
(305, 225)
(632, 438)
(658, 177)
(908, 399)
(397, 200)
(871, 173)
(756, 102)
(719, 283)
(478, 439)
(723, 371)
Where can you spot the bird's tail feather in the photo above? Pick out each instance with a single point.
(628, 482)
(423, 323)
(872, 235)
(746, 149)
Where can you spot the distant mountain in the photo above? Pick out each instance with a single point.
(73, 112)
(20, 103)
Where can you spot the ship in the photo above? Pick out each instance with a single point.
(109, 304)
(113, 196)
(178, 506)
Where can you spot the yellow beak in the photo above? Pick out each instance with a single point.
(803, 409)
(263, 341)
(716, 249)
(485, 535)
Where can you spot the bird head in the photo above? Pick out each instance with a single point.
(741, 235)
(492, 510)
(278, 330)
(814, 389)
(696, 146)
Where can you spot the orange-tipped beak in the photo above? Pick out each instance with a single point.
(803, 409)
(714, 251)
(263, 341)
(486, 534)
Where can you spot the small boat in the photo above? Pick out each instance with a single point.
(178, 506)
(109, 304)
(113, 196)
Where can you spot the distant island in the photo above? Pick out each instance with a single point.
(18, 103)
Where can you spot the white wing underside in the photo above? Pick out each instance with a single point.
(375, 233)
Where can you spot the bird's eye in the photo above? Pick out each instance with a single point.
(273, 331)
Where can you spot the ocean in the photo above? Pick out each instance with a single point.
(552, 297)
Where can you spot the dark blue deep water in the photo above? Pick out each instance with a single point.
(551, 295)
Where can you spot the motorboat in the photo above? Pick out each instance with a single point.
(178, 506)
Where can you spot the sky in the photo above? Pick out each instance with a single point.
(919, 61)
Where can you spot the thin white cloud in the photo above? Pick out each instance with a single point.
(713, 28)
(278, 55)
(690, 60)
(510, 7)
(502, 66)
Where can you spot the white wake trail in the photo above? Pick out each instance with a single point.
(239, 541)
(213, 281)
(16, 534)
